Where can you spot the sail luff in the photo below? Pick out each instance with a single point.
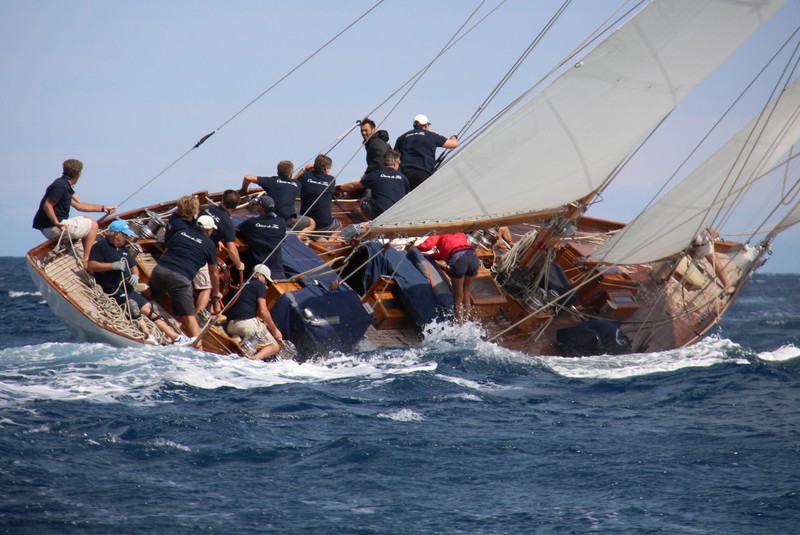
(567, 139)
(670, 223)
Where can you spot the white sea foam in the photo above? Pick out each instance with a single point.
(12, 294)
(402, 415)
(447, 333)
(163, 443)
(104, 374)
(706, 353)
(781, 354)
(480, 386)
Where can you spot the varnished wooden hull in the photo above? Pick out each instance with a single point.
(658, 308)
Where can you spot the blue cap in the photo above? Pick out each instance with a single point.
(120, 226)
(266, 203)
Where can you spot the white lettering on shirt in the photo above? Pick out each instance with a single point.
(273, 226)
(196, 240)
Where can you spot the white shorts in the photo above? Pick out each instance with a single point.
(79, 228)
(249, 327)
(202, 281)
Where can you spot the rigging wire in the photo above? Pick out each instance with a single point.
(503, 81)
(601, 30)
(454, 39)
(412, 80)
(708, 134)
(786, 75)
(416, 78)
(249, 104)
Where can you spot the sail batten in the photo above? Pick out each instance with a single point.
(565, 141)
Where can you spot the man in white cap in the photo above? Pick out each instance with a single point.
(117, 274)
(188, 251)
(250, 318)
(417, 149)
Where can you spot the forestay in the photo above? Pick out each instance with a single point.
(563, 143)
(671, 222)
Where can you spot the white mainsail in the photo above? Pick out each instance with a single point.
(670, 223)
(564, 142)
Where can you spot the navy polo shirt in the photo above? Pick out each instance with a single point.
(60, 192)
(175, 224)
(246, 305)
(418, 149)
(388, 186)
(263, 234)
(283, 191)
(225, 231)
(187, 251)
(104, 251)
(312, 186)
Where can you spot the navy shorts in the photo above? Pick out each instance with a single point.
(179, 288)
(463, 263)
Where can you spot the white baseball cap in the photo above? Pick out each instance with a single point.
(206, 222)
(422, 119)
(263, 270)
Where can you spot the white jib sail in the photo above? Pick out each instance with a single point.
(791, 219)
(670, 223)
(564, 142)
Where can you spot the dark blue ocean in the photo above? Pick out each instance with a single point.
(453, 436)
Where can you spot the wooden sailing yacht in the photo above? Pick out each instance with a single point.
(571, 284)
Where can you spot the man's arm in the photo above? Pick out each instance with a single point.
(451, 143)
(90, 207)
(48, 209)
(246, 181)
(350, 187)
(264, 315)
(96, 266)
(233, 254)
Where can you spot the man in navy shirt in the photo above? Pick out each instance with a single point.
(263, 234)
(52, 217)
(284, 191)
(116, 273)
(224, 233)
(188, 250)
(226, 230)
(376, 143)
(186, 210)
(316, 193)
(250, 317)
(385, 186)
(417, 149)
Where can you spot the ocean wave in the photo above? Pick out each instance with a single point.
(14, 294)
(782, 354)
(402, 415)
(96, 372)
(453, 355)
(706, 353)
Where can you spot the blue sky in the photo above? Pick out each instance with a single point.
(129, 87)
